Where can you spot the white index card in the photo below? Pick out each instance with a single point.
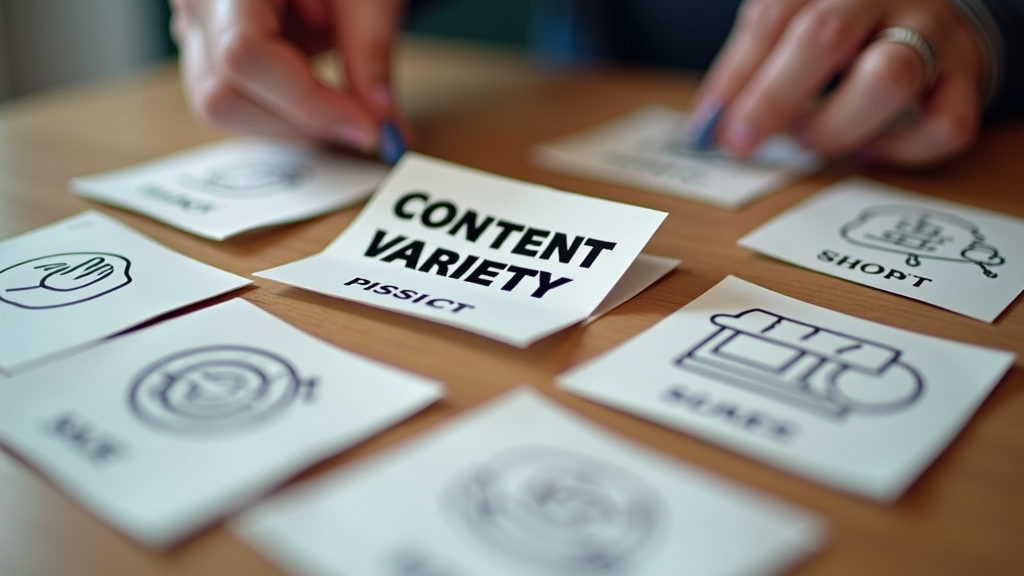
(87, 277)
(495, 256)
(523, 487)
(850, 403)
(647, 148)
(949, 255)
(226, 188)
(166, 430)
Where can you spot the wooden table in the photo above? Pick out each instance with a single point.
(485, 108)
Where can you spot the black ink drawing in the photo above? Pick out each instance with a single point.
(809, 367)
(919, 233)
(63, 279)
(559, 511)
(250, 180)
(215, 389)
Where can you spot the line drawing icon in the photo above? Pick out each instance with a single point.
(918, 233)
(216, 389)
(63, 279)
(250, 179)
(818, 370)
(557, 510)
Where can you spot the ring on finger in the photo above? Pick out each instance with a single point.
(919, 44)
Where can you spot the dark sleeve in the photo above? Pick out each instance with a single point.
(1000, 28)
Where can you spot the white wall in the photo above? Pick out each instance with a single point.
(48, 43)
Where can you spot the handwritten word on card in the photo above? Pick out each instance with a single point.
(499, 257)
(163, 431)
(953, 256)
(648, 148)
(231, 187)
(87, 277)
(850, 403)
(558, 496)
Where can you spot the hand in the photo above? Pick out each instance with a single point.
(246, 66)
(782, 53)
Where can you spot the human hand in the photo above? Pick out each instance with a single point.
(782, 53)
(246, 66)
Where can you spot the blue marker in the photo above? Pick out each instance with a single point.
(392, 145)
(703, 136)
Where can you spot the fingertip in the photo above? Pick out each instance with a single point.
(355, 135)
(740, 138)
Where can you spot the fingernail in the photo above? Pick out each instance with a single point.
(705, 120)
(392, 145)
(354, 135)
(741, 137)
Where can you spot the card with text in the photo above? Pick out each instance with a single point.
(523, 487)
(226, 188)
(850, 403)
(87, 277)
(499, 257)
(648, 149)
(163, 431)
(949, 255)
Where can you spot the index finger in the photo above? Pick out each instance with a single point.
(759, 25)
(819, 42)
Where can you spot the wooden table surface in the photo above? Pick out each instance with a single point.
(485, 108)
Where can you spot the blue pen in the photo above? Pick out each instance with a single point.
(392, 145)
(703, 136)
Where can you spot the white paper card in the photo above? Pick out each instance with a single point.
(499, 257)
(950, 255)
(226, 188)
(87, 277)
(644, 271)
(850, 403)
(648, 149)
(523, 487)
(165, 430)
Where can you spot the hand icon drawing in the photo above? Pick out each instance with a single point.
(63, 279)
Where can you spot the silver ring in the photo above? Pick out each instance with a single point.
(919, 44)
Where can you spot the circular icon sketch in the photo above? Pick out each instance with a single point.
(564, 511)
(215, 389)
(63, 279)
(250, 180)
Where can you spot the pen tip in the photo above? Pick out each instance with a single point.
(392, 145)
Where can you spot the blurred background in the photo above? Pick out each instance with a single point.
(46, 44)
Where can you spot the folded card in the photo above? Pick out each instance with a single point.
(854, 404)
(163, 431)
(87, 277)
(523, 487)
(226, 188)
(499, 257)
(648, 148)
